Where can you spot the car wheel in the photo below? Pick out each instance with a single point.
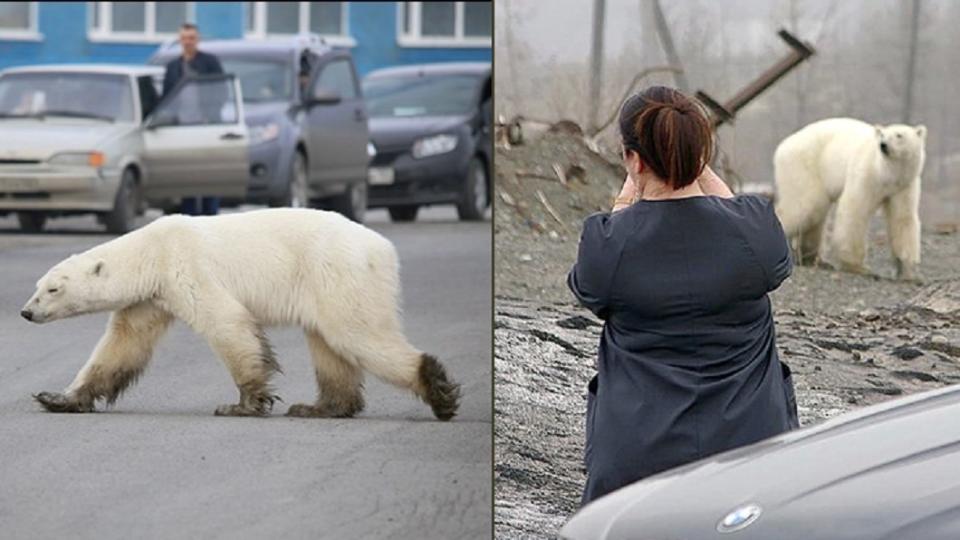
(403, 213)
(296, 195)
(31, 222)
(121, 219)
(352, 202)
(473, 199)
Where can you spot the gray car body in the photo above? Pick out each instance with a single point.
(276, 156)
(436, 179)
(891, 471)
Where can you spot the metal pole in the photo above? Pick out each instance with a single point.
(596, 62)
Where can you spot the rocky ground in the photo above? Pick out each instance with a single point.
(851, 340)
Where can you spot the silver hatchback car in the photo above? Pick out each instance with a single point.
(98, 139)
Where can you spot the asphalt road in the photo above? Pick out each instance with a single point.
(159, 464)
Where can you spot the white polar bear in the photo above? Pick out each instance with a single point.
(860, 167)
(228, 277)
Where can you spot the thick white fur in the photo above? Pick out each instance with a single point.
(227, 277)
(839, 160)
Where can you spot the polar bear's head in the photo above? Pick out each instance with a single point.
(899, 141)
(80, 284)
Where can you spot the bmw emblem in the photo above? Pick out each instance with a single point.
(739, 518)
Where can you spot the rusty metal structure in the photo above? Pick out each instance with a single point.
(726, 112)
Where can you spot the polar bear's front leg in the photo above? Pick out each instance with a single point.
(117, 361)
(850, 227)
(903, 228)
(240, 342)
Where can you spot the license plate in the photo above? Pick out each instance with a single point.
(18, 184)
(381, 175)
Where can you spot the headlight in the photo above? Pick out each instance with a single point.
(371, 150)
(79, 159)
(264, 133)
(432, 146)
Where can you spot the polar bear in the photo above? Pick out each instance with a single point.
(860, 168)
(230, 276)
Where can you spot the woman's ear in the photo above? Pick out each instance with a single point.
(632, 161)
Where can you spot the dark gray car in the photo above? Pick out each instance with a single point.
(891, 471)
(430, 125)
(307, 119)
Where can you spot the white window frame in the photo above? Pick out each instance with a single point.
(343, 39)
(104, 33)
(25, 34)
(414, 39)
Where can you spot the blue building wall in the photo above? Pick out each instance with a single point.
(63, 26)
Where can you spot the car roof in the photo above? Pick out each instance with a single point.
(112, 69)
(829, 477)
(437, 68)
(274, 45)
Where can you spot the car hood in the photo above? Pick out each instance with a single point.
(256, 114)
(37, 139)
(885, 472)
(396, 132)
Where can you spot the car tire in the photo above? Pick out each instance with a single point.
(296, 195)
(31, 222)
(473, 199)
(403, 213)
(352, 203)
(121, 219)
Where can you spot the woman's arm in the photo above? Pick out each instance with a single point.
(711, 184)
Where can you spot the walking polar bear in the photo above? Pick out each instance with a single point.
(860, 168)
(228, 277)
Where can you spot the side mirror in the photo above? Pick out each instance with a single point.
(322, 96)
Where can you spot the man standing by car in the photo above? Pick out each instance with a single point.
(191, 63)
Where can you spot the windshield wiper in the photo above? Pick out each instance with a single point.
(73, 114)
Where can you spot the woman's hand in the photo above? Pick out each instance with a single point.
(711, 184)
(629, 194)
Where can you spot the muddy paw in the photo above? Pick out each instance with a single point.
(305, 410)
(60, 403)
(239, 410)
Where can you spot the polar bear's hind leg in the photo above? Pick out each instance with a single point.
(340, 383)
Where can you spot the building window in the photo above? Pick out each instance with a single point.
(18, 21)
(273, 19)
(445, 24)
(137, 21)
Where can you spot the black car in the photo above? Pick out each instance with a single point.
(891, 471)
(430, 126)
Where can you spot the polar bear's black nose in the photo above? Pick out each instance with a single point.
(884, 148)
(27, 314)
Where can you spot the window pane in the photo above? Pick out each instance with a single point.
(325, 17)
(283, 17)
(248, 8)
(15, 15)
(437, 19)
(128, 16)
(338, 77)
(170, 15)
(94, 18)
(477, 18)
(200, 102)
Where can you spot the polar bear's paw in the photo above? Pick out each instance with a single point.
(61, 403)
(441, 393)
(251, 404)
(240, 410)
(327, 409)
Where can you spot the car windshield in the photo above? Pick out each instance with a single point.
(77, 95)
(261, 79)
(427, 95)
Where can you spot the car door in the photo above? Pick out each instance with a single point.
(195, 141)
(336, 126)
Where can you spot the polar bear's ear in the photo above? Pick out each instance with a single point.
(97, 269)
(922, 131)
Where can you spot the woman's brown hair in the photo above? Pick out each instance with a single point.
(670, 132)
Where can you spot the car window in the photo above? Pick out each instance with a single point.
(422, 95)
(200, 101)
(69, 94)
(261, 79)
(149, 96)
(337, 76)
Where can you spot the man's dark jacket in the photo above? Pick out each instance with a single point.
(203, 63)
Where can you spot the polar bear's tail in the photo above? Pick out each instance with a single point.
(441, 393)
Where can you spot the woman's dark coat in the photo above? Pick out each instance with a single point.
(688, 365)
